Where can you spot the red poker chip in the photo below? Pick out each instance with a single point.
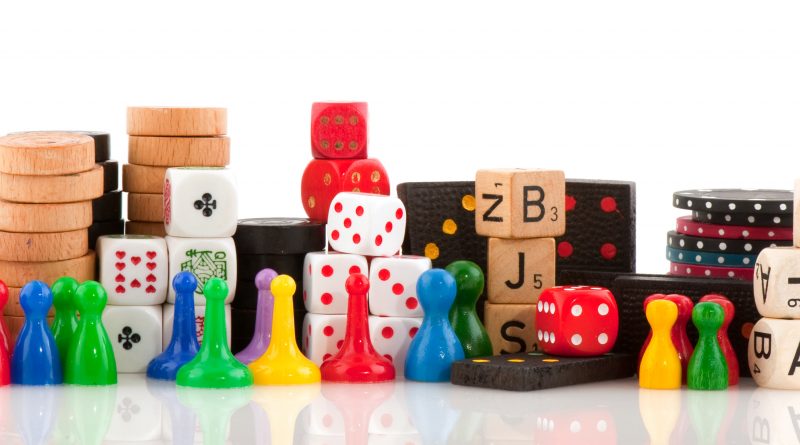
(695, 270)
(687, 226)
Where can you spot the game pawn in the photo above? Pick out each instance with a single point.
(214, 366)
(183, 345)
(722, 336)
(90, 360)
(357, 361)
(65, 322)
(680, 339)
(660, 367)
(707, 367)
(5, 359)
(35, 360)
(5, 335)
(436, 345)
(463, 316)
(263, 329)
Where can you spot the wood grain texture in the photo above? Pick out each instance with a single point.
(179, 151)
(143, 178)
(17, 274)
(43, 246)
(157, 121)
(146, 207)
(145, 228)
(511, 327)
(14, 309)
(38, 218)
(83, 186)
(520, 269)
(46, 153)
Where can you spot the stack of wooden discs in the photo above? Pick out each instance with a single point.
(160, 138)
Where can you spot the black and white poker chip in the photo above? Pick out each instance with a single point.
(700, 244)
(772, 202)
(743, 219)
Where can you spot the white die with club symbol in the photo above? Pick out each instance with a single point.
(200, 202)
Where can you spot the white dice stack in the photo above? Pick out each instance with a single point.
(363, 228)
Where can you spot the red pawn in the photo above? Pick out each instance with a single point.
(678, 334)
(357, 361)
(722, 336)
(5, 352)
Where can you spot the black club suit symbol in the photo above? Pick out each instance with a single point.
(128, 338)
(206, 204)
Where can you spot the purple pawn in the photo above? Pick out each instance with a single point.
(263, 332)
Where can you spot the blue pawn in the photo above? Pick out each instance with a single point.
(183, 346)
(436, 346)
(36, 360)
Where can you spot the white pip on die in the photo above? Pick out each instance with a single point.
(391, 337)
(366, 224)
(133, 269)
(324, 275)
(323, 335)
(199, 321)
(206, 258)
(776, 282)
(135, 333)
(393, 285)
(200, 202)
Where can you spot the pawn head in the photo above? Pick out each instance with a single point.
(215, 289)
(661, 314)
(64, 293)
(264, 278)
(708, 316)
(436, 289)
(469, 280)
(3, 294)
(184, 283)
(357, 284)
(283, 286)
(90, 298)
(35, 299)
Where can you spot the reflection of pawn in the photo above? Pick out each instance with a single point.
(65, 322)
(35, 360)
(707, 367)
(722, 336)
(431, 410)
(260, 342)
(469, 329)
(214, 407)
(659, 411)
(214, 366)
(357, 361)
(181, 419)
(283, 404)
(283, 363)
(5, 335)
(90, 360)
(436, 346)
(92, 409)
(707, 413)
(183, 345)
(35, 413)
(356, 405)
(660, 367)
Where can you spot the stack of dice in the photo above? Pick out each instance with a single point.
(107, 209)
(47, 183)
(521, 211)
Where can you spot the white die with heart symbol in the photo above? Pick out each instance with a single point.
(393, 285)
(200, 202)
(324, 277)
(323, 335)
(137, 415)
(135, 334)
(206, 258)
(134, 269)
(366, 224)
(391, 337)
(199, 320)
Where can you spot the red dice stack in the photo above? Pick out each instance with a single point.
(339, 147)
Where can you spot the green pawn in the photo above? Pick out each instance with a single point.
(465, 321)
(90, 360)
(707, 368)
(214, 366)
(65, 322)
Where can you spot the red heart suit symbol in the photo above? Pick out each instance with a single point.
(136, 260)
(120, 254)
(136, 284)
(120, 289)
(151, 255)
(150, 289)
(120, 278)
(151, 266)
(119, 266)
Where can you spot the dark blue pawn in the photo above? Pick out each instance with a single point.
(183, 346)
(35, 360)
(436, 346)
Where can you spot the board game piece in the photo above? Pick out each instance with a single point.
(38, 218)
(520, 269)
(324, 276)
(251, 265)
(530, 371)
(72, 187)
(90, 358)
(35, 360)
(436, 346)
(463, 317)
(696, 270)
(5, 365)
(773, 353)
(145, 228)
(366, 224)
(660, 367)
(517, 203)
(162, 121)
(279, 236)
(576, 321)
(133, 269)
(392, 337)
(206, 258)
(323, 179)
(743, 219)
(183, 344)
(102, 228)
(46, 153)
(146, 207)
(136, 335)
(777, 274)
(17, 274)
(214, 408)
(283, 363)
(357, 361)
(179, 151)
(722, 336)
(88, 420)
(243, 309)
(710, 258)
(393, 282)
(511, 327)
(214, 366)
(65, 323)
(199, 320)
(263, 326)
(200, 202)
(707, 368)
(143, 178)
(35, 412)
(43, 246)
(357, 410)
(705, 244)
(5, 335)
(686, 226)
(244, 326)
(14, 308)
(108, 207)
(678, 334)
(775, 202)
(102, 142)
(110, 175)
(339, 130)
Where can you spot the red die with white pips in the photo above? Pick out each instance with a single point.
(366, 224)
(576, 321)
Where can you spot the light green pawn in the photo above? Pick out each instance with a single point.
(90, 360)
(65, 322)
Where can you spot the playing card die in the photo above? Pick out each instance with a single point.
(393, 285)
(391, 337)
(206, 258)
(324, 275)
(200, 202)
(135, 334)
(199, 320)
(323, 335)
(776, 283)
(366, 224)
(133, 269)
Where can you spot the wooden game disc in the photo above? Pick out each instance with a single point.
(14, 309)
(179, 152)
(46, 153)
(83, 186)
(43, 246)
(38, 218)
(145, 228)
(146, 207)
(17, 274)
(143, 178)
(157, 121)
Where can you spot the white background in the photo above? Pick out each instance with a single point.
(671, 95)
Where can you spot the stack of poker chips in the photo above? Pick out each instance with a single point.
(727, 230)
(107, 209)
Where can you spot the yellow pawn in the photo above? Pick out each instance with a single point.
(283, 363)
(661, 366)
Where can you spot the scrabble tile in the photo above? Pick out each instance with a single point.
(200, 202)
(200, 322)
(773, 353)
(777, 282)
(366, 224)
(134, 269)
(206, 258)
(519, 270)
(135, 333)
(511, 327)
(393, 285)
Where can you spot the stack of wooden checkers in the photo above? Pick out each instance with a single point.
(160, 138)
(726, 230)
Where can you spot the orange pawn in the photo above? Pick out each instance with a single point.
(661, 365)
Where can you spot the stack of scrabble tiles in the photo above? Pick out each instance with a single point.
(47, 183)
(521, 211)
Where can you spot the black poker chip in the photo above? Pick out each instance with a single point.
(110, 175)
(250, 265)
(699, 244)
(107, 207)
(279, 236)
(743, 219)
(98, 229)
(772, 202)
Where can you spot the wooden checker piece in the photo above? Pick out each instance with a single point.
(743, 219)
(18, 217)
(17, 274)
(46, 153)
(14, 309)
(143, 178)
(161, 121)
(685, 225)
(751, 202)
(146, 207)
(145, 228)
(698, 270)
(83, 186)
(705, 244)
(179, 151)
(107, 207)
(43, 246)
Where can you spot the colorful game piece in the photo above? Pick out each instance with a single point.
(263, 329)
(660, 367)
(436, 345)
(743, 219)
(722, 336)
(200, 202)
(463, 317)
(776, 202)
(283, 363)
(686, 226)
(721, 245)
(183, 345)
(90, 360)
(710, 259)
(707, 367)
(678, 334)
(35, 360)
(5, 356)
(5, 335)
(520, 269)
(357, 361)
(65, 322)
(694, 270)
(577, 321)
(214, 366)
